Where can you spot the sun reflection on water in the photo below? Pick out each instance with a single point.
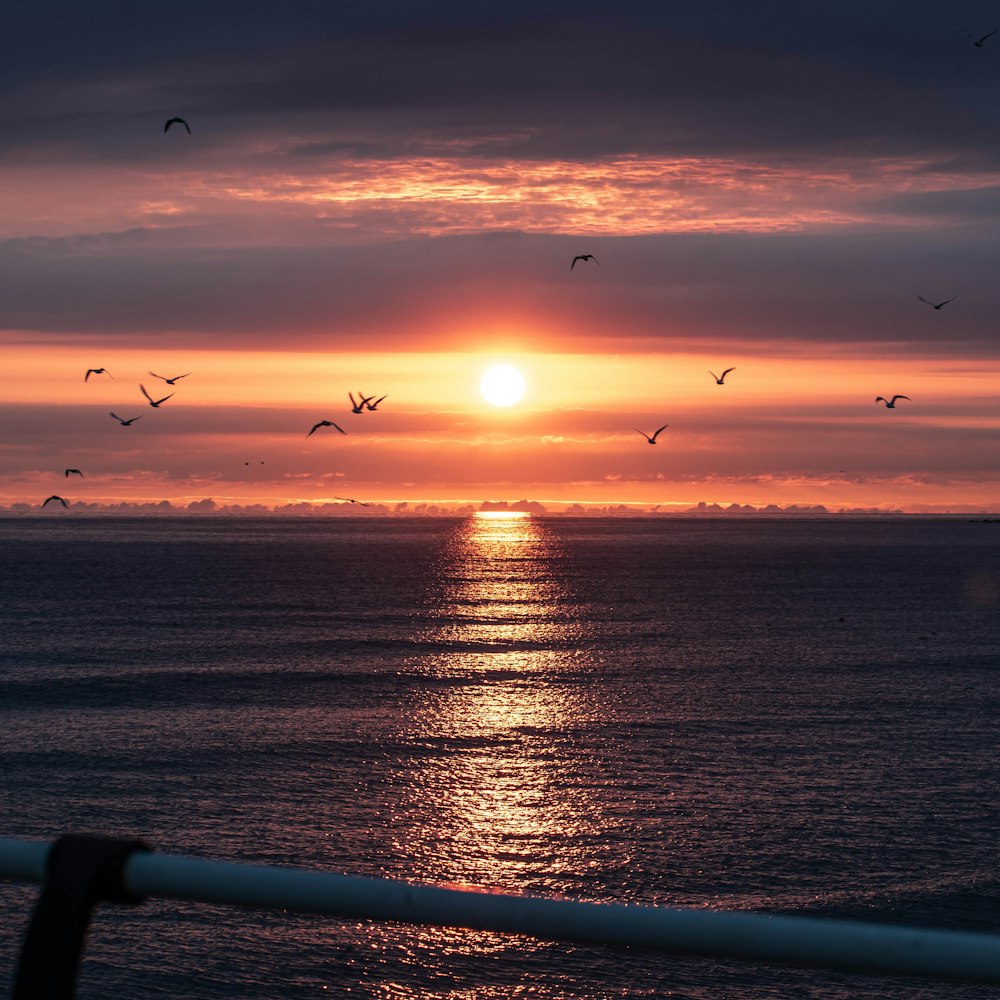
(502, 594)
(498, 791)
(500, 799)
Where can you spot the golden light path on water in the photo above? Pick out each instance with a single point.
(503, 800)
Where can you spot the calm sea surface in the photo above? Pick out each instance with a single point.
(797, 716)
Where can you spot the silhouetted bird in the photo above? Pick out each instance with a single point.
(584, 257)
(937, 305)
(721, 379)
(989, 34)
(374, 406)
(126, 423)
(323, 423)
(352, 500)
(73, 472)
(651, 440)
(170, 381)
(97, 371)
(890, 403)
(153, 402)
(176, 121)
(359, 407)
(54, 497)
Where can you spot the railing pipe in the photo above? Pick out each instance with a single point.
(748, 936)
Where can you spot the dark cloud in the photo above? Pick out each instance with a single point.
(746, 291)
(572, 80)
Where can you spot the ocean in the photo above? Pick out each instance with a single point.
(797, 716)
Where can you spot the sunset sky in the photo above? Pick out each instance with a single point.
(385, 197)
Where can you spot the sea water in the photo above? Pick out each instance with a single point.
(796, 716)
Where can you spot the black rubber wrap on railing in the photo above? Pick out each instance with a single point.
(81, 872)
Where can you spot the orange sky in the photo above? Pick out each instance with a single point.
(373, 206)
(782, 430)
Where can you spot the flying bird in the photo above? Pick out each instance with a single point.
(651, 440)
(153, 402)
(170, 381)
(97, 371)
(176, 121)
(890, 403)
(365, 400)
(360, 503)
(374, 406)
(937, 305)
(584, 257)
(721, 379)
(988, 34)
(126, 423)
(73, 472)
(323, 423)
(54, 497)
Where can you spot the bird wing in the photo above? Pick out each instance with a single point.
(894, 398)
(115, 415)
(146, 394)
(922, 299)
(595, 260)
(86, 378)
(176, 377)
(165, 398)
(571, 266)
(952, 299)
(727, 371)
(315, 428)
(339, 428)
(643, 433)
(158, 376)
(663, 428)
(881, 399)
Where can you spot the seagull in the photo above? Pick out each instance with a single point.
(989, 34)
(170, 381)
(937, 305)
(352, 500)
(125, 423)
(584, 257)
(153, 402)
(54, 497)
(176, 121)
(324, 423)
(651, 440)
(76, 472)
(721, 379)
(890, 403)
(97, 371)
(365, 400)
(374, 406)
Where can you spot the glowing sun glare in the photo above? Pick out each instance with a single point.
(502, 385)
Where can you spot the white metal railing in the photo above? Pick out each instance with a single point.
(750, 936)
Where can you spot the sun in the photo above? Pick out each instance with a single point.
(502, 385)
